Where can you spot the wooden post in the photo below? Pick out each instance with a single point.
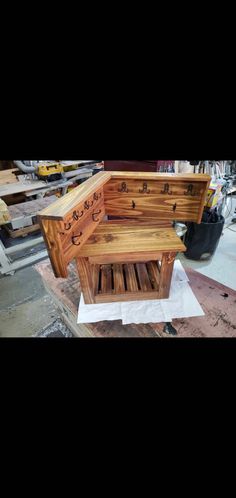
(86, 280)
(167, 265)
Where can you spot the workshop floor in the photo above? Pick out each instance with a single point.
(27, 310)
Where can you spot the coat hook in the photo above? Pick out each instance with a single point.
(166, 189)
(67, 226)
(133, 205)
(123, 188)
(190, 190)
(97, 196)
(174, 207)
(76, 237)
(76, 216)
(145, 189)
(88, 204)
(97, 213)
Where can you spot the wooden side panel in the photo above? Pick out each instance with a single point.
(80, 231)
(51, 234)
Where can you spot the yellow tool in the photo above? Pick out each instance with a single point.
(50, 171)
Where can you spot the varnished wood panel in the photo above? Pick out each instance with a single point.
(153, 206)
(118, 239)
(159, 176)
(150, 187)
(60, 209)
(166, 274)
(51, 234)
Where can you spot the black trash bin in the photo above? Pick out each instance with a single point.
(202, 240)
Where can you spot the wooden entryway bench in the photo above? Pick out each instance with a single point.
(128, 258)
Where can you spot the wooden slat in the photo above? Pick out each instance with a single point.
(159, 176)
(126, 296)
(125, 258)
(143, 277)
(131, 280)
(96, 273)
(106, 280)
(119, 286)
(154, 273)
(16, 188)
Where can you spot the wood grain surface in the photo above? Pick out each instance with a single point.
(75, 198)
(117, 239)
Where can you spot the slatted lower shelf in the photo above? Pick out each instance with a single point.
(124, 282)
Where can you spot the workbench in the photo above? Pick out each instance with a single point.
(219, 319)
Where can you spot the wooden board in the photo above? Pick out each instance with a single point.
(153, 207)
(160, 176)
(16, 188)
(66, 204)
(109, 239)
(219, 319)
(30, 208)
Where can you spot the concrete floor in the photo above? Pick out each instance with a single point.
(26, 308)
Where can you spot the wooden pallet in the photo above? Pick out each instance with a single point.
(22, 232)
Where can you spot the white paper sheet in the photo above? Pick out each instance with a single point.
(182, 303)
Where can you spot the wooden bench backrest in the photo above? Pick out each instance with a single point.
(69, 222)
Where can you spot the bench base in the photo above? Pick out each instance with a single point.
(104, 283)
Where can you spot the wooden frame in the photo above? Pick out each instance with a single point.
(132, 257)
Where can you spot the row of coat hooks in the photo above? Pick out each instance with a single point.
(146, 190)
(77, 214)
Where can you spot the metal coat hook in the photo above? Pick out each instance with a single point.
(76, 216)
(190, 190)
(166, 189)
(67, 226)
(87, 205)
(97, 196)
(123, 188)
(174, 207)
(76, 237)
(95, 214)
(145, 189)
